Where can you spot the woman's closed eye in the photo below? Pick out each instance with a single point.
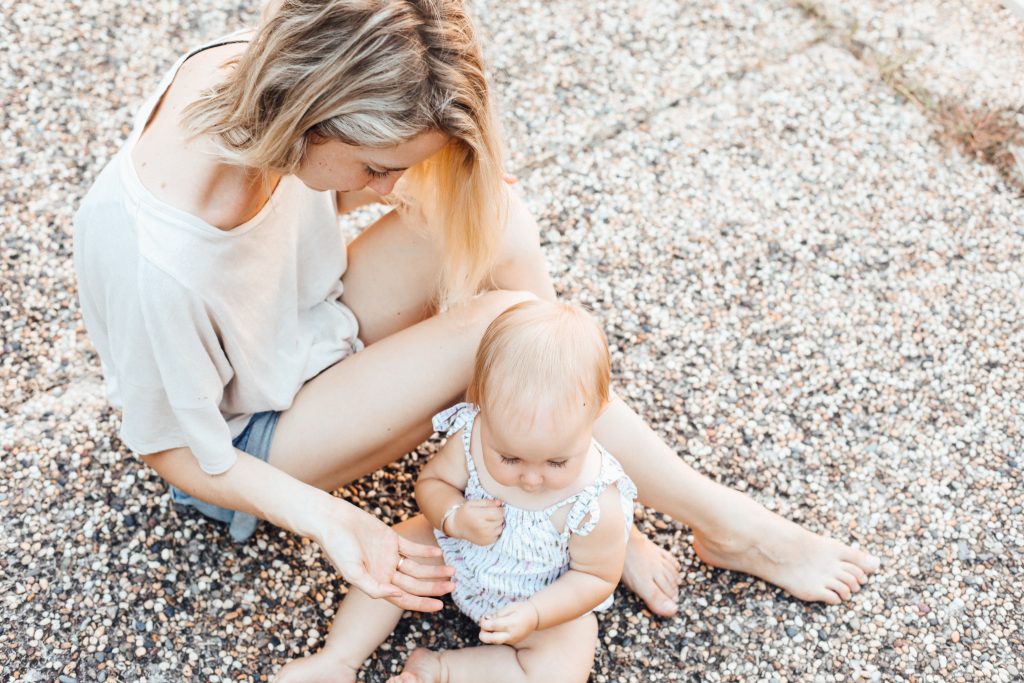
(374, 173)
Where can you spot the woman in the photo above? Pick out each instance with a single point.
(214, 285)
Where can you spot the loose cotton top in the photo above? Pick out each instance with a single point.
(530, 554)
(198, 328)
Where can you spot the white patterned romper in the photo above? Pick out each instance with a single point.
(531, 553)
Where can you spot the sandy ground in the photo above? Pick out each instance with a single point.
(806, 292)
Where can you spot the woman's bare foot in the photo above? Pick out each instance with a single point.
(804, 564)
(652, 573)
(318, 668)
(423, 666)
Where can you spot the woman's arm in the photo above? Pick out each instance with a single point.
(364, 549)
(595, 567)
(252, 486)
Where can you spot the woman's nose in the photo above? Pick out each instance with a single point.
(383, 186)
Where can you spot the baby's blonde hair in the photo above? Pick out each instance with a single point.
(373, 73)
(543, 356)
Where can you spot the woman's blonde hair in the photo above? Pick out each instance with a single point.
(542, 355)
(373, 73)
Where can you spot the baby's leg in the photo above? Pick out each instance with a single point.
(563, 653)
(362, 624)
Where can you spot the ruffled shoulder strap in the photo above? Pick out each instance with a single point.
(451, 420)
(585, 512)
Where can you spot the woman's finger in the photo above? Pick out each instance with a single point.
(361, 579)
(422, 587)
(425, 571)
(413, 549)
(416, 603)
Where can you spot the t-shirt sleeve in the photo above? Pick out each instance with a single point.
(192, 366)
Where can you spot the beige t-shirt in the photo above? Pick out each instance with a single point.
(198, 328)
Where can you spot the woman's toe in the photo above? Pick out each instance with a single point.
(851, 581)
(839, 588)
(857, 572)
(867, 562)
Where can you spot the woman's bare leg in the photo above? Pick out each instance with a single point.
(411, 369)
(361, 625)
(731, 530)
(563, 653)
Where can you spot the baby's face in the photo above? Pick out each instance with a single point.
(537, 455)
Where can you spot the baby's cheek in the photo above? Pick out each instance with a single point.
(561, 480)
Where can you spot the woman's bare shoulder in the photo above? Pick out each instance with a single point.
(180, 168)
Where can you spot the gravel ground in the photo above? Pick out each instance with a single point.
(810, 296)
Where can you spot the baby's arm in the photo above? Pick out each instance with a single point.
(440, 488)
(595, 567)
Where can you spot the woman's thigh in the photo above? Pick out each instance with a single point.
(390, 279)
(394, 265)
(375, 406)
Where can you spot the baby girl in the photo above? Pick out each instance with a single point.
(531, 512)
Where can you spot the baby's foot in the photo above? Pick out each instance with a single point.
(652, 573)
(318, 668)
(423, 666)
(804, 564)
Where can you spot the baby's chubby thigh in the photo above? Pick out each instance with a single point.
(563, 653)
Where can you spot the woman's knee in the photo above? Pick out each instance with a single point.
(521, 239)
(489, 305)
(520, 263)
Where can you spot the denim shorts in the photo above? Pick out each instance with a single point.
(254, 440)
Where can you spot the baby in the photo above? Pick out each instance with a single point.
(531, 512)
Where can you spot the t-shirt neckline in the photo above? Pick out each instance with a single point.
(150, 200)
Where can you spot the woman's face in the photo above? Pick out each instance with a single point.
(333, 165)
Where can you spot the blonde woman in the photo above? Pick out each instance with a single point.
(260, 363)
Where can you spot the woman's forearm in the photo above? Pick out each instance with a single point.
(252, 486)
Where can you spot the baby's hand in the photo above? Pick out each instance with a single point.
(478, 521)
(509, 625)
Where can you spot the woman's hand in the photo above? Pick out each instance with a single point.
(381, 563)
(510, 625)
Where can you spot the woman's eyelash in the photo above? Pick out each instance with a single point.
(374, 173)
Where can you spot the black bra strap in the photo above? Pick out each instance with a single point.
(210, 47)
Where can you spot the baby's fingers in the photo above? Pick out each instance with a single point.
(494, 516)
(483, 504)
(493, 637)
